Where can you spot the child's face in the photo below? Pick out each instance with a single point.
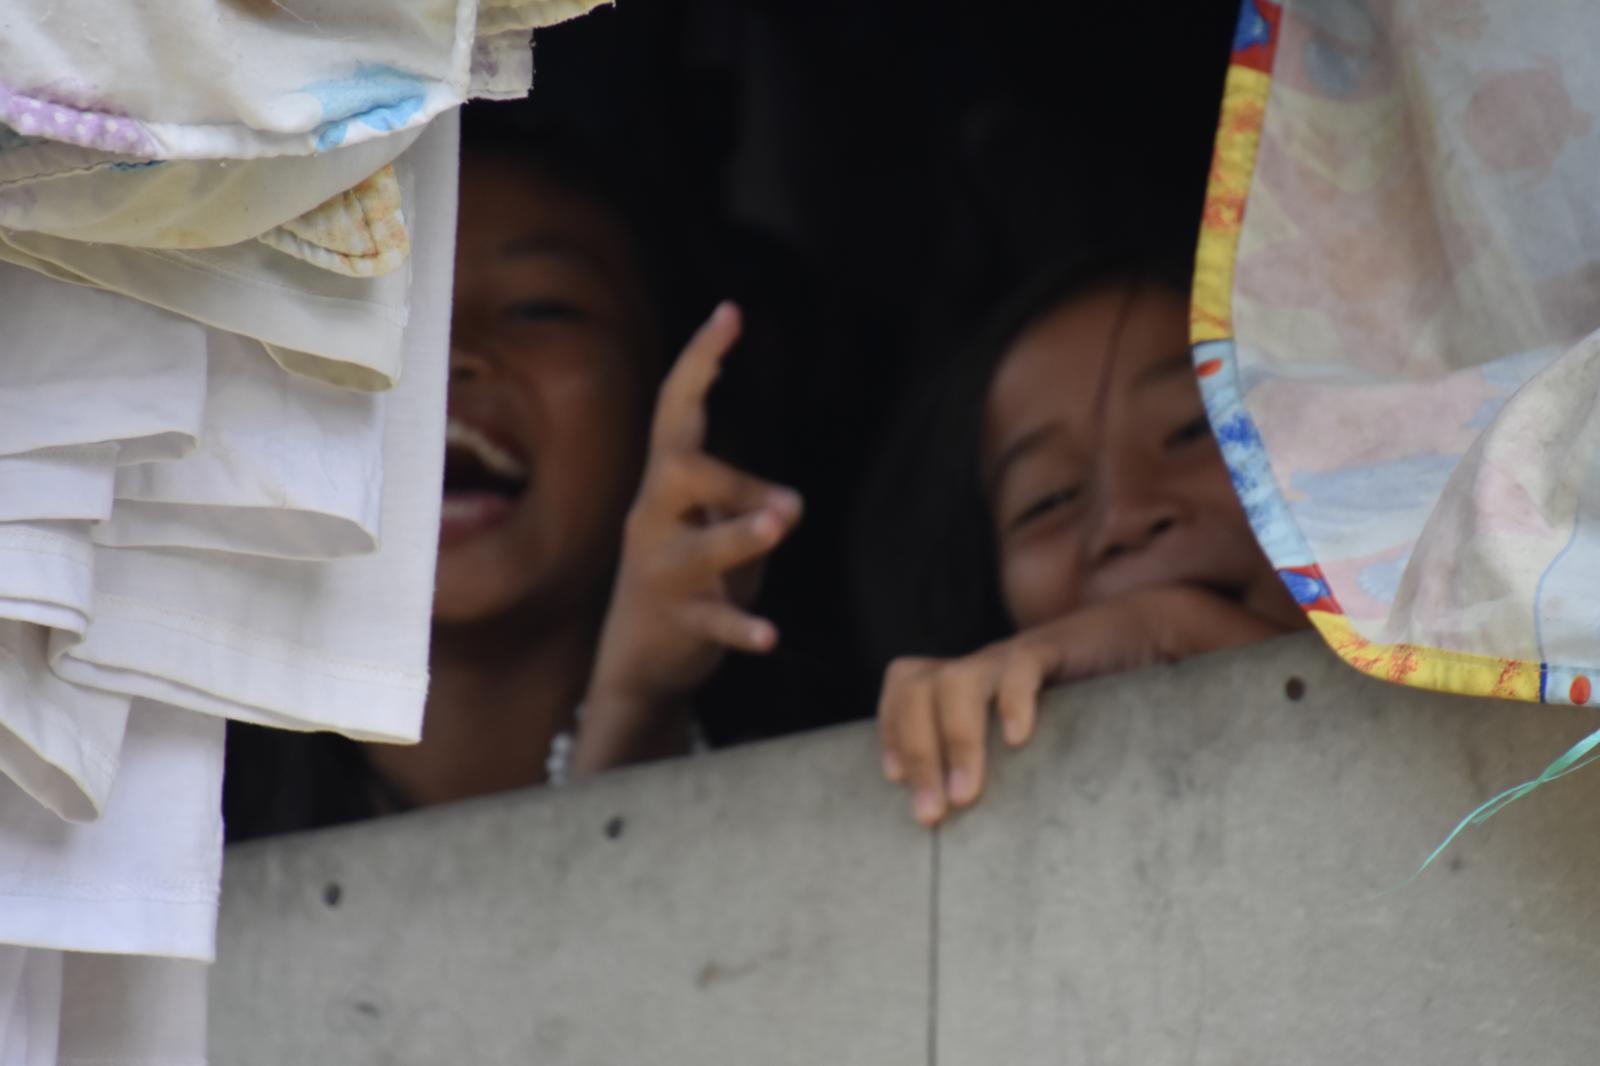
(549, 395)
(1101, 472)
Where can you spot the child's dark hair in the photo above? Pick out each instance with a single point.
(565, 154)
(926, 578)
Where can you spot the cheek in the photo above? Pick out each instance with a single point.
(1040, 582)
(1212, 488)
(1214, 495)
(589, 439)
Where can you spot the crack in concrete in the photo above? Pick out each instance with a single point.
(933, 949)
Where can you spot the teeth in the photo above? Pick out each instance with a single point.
(458, 510)
(491, 454)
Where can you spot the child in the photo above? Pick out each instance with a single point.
(557, 349)
(1081, 471)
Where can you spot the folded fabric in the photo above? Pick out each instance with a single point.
(85, 367)
(496, 17)
(47, 574)
(108, 198)
(360, 233)
(339, 645)
(59, 742)
(242, 79)
(77, 1009)
(130, 1010)
(71, 483)
(346, 330)
(144, 878)
(285, 467)
(30, 1006)
(1395, 310)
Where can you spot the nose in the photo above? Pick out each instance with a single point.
(1138, 511)
(467, 365)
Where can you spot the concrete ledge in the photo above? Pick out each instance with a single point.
(1188, 866)
(765, 905)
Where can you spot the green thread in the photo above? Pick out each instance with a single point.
(1577, 757)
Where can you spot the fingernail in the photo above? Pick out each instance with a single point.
(764, 525)
(1014, 732)
(763, 634)
(959, 786)
(785, 501)
(927, 805)
(891, 766)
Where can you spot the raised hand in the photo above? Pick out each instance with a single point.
(695, 541)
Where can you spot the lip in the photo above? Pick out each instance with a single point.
(466, 515)
(483, 498)
(1196, 562)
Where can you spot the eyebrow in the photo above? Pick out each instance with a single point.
(548, 243)
(1032, 440)
(1019, 449)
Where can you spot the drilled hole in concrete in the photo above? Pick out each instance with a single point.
(332, 894)
(614, 828)
(1294, 688)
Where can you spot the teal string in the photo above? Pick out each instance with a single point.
(1577, 757)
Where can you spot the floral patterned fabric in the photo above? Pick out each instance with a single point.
(1395, 314)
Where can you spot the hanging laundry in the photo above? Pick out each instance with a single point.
(141, 880)
(47, 574)
(87, 367)
(347, 330)
(149, 203)
(226, 228)
(1394, 316)
(59, 742)
(30, 1006)
(132, 1009)
(341, 645)
(285, 466)
(360, 233)
(73, 483)
(243, 79)
(1395, 319)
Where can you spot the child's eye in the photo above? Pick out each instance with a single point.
(545, 311)
(1189, 432)
(1043, 506)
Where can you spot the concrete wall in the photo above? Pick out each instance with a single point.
(1189, 866)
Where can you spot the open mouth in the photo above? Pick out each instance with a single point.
(484, 478)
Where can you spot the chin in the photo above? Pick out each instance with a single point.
(459, 599)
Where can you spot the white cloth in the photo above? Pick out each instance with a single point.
(47, 574)
(86, 367)
(72, 483)
(343, 329)
(129, 1010)
(242, 79)
(78, 1009)
(110, 198)
(144, 878)
(30, 1006)
(286, 467)
(340, 645)
(59, 742)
